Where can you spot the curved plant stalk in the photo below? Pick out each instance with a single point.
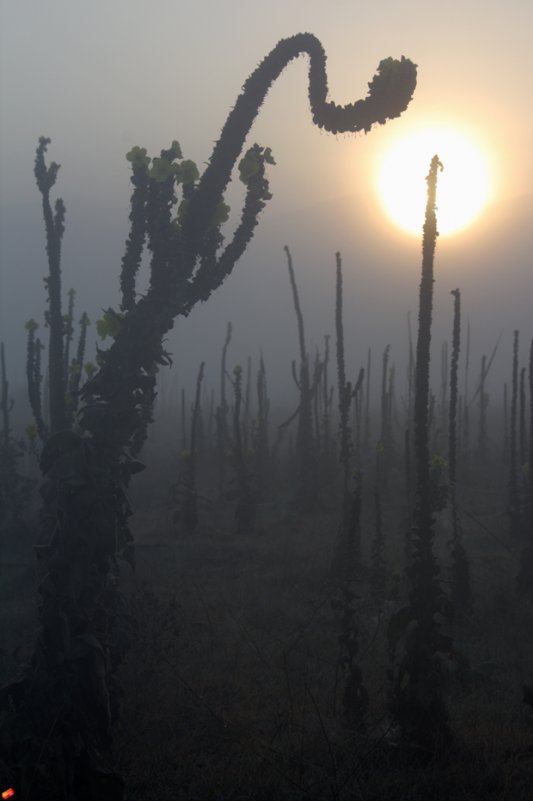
(390, 92)
(64, 705)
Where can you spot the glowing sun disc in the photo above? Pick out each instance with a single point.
(463, 189)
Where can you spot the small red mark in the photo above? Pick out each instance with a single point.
(9, 793)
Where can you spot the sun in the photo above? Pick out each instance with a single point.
(464, 185)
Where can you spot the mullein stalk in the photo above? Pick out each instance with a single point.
(355, 696)
(246, 501)
(368, 425)
(525, 575)
(514, 497)
(66, 687)
(189, 506)
(55, 228)
(76, 369)
(522, 446)
(460, 567)
(222, 416)
(417, 699)
(307, 491)
(34, 378)
(261, 443)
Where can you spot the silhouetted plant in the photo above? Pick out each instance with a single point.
(460, 568)
(75, 370)
(444, 406)
(260, 435)
(358, 401)
(355, 695)
(379, 573)
(55, 228)
(483, 403)
(417, 700)
(185, 491)
(328, 443)
(505, 450)
(408, 430)
(34, 378)
(514, 493)
(525, 575)
(245, 496)
(530, 454)
(246, 414)
(522, 418)
(367, 439)
(466, 409)
(306, 495)
(61, 742)
(222, 426)
(15, 489)
(63, 377)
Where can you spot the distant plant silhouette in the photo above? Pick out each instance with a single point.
(64, 376)
(56, 726)
(221, 415)
(15, 489)
(184, 494)
(306, 495)
(245, 493)
(460, 566)
(514, 484)
(525, 574)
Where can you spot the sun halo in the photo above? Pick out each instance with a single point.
(464, 185)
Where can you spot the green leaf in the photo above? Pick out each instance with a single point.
(187, 172)
(162, 169)
(90, 369)
(221, 214)
(137, 156)
(177, 149)
(249, 165)
(108, 325)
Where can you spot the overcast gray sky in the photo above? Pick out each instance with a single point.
(99, 77)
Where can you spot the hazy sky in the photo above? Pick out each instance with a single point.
(98, 77)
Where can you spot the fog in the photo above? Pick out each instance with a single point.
(336, 608)
(100, 80)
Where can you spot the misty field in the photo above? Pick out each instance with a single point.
(210, 593)
(233, 683)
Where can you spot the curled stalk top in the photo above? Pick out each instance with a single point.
(389, 93)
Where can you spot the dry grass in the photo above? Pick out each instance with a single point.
(244, 701)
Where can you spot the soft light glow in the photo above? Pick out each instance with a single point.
(464, 186)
